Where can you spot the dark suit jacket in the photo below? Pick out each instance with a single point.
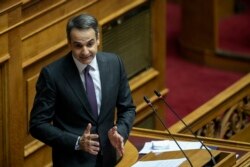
(61, 110)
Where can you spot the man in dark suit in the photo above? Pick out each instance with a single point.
(63, 117)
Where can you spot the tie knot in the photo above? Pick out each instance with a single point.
(86, 70)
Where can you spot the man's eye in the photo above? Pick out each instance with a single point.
(78, 45)
(90, 44)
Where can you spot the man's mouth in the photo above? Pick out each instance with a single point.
(84, 57)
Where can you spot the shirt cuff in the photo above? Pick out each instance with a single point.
(77, 146)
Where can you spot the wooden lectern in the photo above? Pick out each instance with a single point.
(130, 156)
(198, 157)
(224, 155)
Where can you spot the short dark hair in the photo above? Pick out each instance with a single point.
(82, 22)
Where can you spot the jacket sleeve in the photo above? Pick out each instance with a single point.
(125, 107)
(41, 116)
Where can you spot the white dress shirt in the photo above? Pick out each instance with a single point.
(95, 74)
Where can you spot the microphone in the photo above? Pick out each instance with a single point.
(158, 94)
(154, 110)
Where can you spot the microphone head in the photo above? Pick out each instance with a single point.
(146, 100)
(157, 93)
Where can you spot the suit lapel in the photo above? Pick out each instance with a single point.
(72, 77)
(104, 71)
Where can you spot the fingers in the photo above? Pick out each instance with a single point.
(112, 132)
(92, 147)
(88, 129)
(114, 129)
(89, 142)
(116, 140)
(120, 146)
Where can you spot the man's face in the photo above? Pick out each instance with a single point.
(84, 44)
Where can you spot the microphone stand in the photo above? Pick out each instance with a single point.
(154, 110)
(158, 94)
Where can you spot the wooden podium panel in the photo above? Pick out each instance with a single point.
(130, 156)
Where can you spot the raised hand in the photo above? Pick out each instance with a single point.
(89, 142)
(116, 140)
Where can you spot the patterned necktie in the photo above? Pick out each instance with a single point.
(90, 91)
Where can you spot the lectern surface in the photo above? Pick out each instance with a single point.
(198, 157)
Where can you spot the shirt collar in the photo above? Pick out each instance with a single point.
(81, 66)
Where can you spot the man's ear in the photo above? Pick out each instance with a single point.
(69, 44)
(98, 42)
(98, 39)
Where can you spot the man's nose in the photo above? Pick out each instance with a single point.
(85, 50)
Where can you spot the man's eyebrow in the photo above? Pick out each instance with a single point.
(77, 42)
(91, 40)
